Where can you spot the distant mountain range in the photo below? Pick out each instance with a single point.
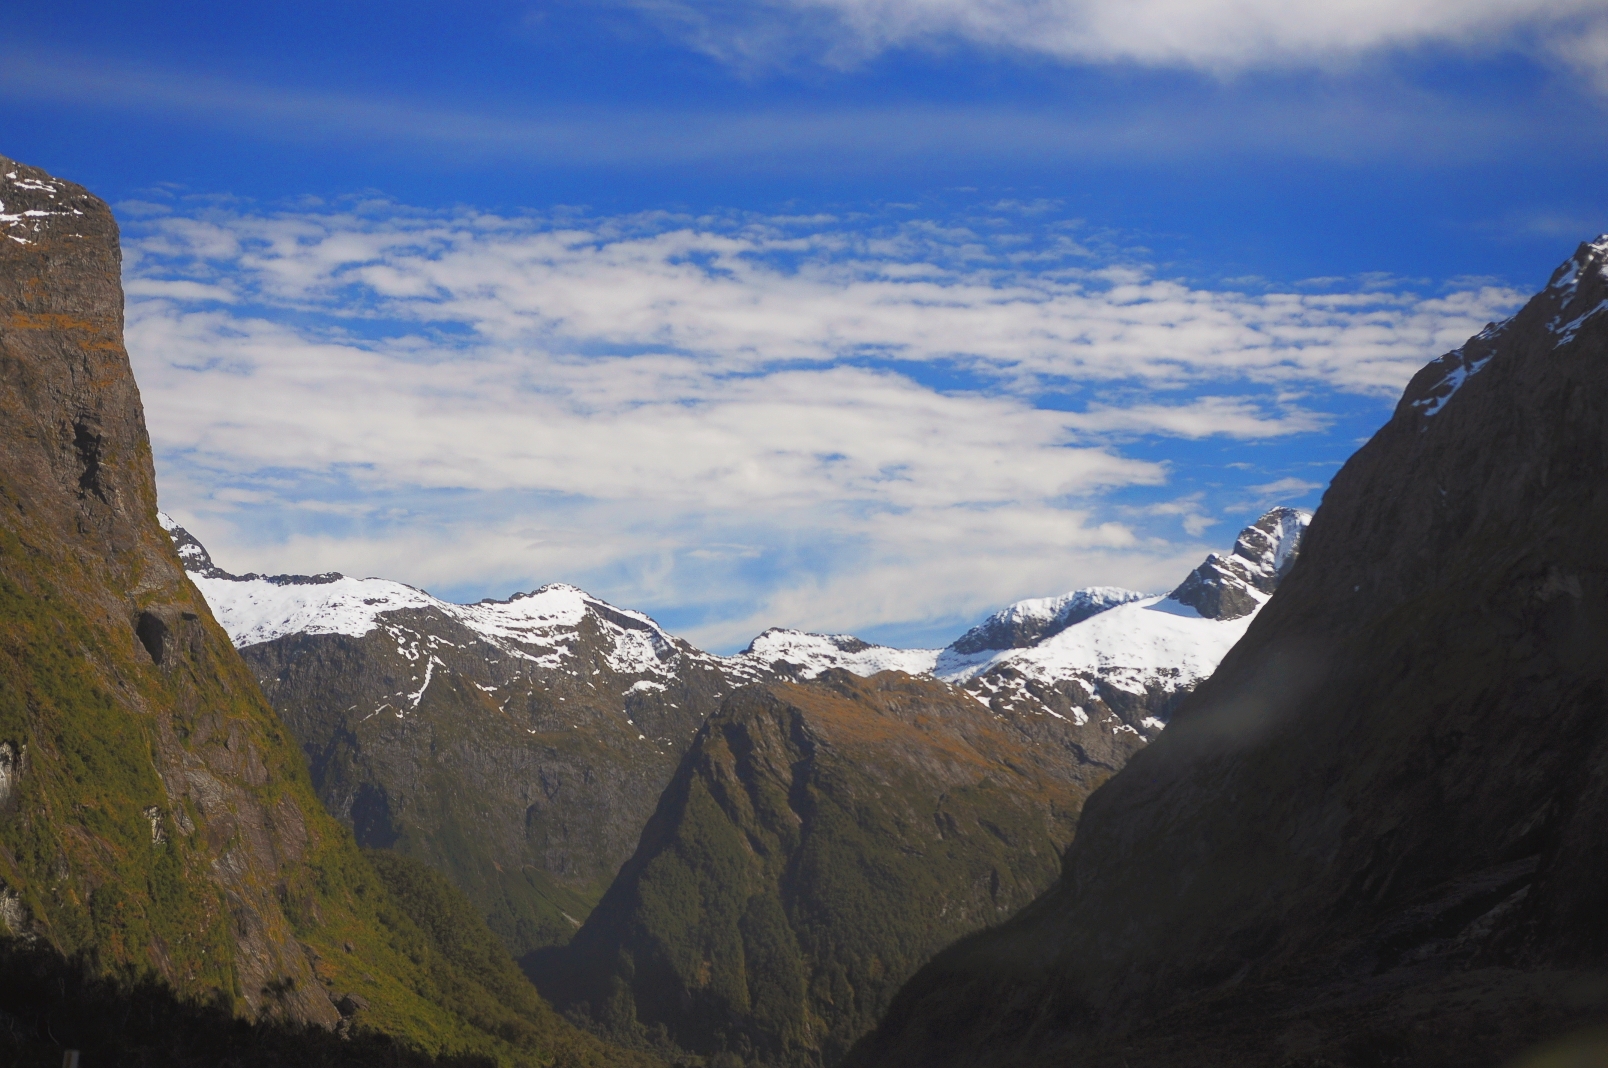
(529, 748)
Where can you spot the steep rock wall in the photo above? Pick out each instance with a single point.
(156, 819)
(1374, 836)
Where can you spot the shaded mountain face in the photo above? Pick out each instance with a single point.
(1375, 835)
(518, 746)
(155, 817)
(818, 842)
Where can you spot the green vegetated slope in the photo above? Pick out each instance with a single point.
(818, 843)
(1376, 836)
(48, 1002)
(156, 819)
(528, 786)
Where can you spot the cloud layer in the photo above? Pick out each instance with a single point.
(1221, 36)
(829, 422)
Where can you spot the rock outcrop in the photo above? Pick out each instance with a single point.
(1237, 585)
(156, 818)
(1375, 835)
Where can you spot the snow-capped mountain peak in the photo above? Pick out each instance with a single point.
(1026, 623)
(535, 626)
(1229, 587)
(1099, 650)
(797, 653)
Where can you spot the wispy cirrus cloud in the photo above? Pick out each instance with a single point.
(1367, 119)
(1220, 36)
(831, 422)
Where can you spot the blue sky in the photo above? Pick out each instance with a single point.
(860, 315)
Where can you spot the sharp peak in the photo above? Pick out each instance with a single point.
(1570, 272)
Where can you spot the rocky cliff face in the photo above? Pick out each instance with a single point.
(519, 746)
(1237, 585)
(1374, 836)
(138, 754)
(155, 816)
(817, 843)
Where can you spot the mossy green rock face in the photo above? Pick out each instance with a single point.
(818, 843)
(155, 815)
(1376, 835)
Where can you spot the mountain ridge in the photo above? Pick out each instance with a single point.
(1372, 836)
(818, 841)
(570, 714)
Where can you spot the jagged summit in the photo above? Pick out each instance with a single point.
(1240, 583)
(1575, 294)
(1139, 655)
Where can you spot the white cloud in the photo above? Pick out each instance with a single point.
(760, 421)
(1223, 36)
(1189, 510)
(1584, 47)
(1233, 417)
(738, 294)
(1285, 488)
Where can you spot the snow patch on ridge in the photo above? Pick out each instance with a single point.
(1460, 372)
(1155, 641)
(535, 627)
(255, 609)
(1566, 283)
(811, 654)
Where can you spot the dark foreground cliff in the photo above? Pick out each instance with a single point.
(1376, 836)
(157, 823)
